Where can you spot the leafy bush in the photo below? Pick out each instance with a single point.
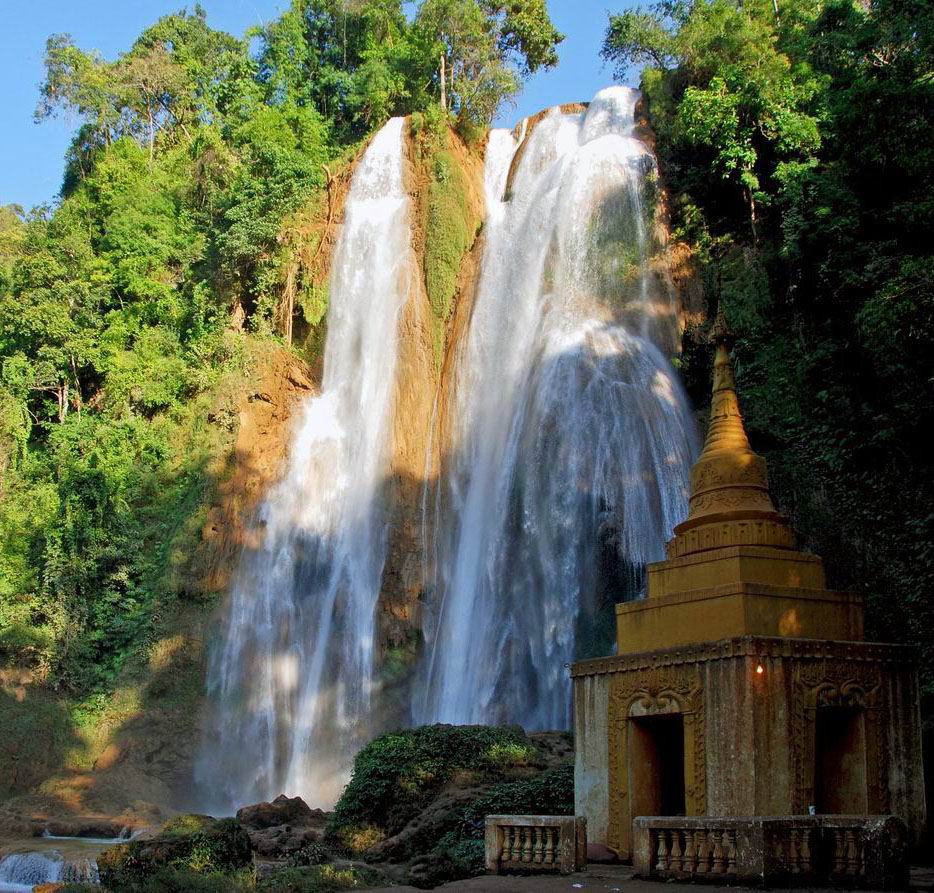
(459, 852)
(395, 775)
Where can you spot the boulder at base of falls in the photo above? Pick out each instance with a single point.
(188, 842)
(283, 827)
(282, 811)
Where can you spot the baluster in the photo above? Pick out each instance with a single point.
(839, 853)
(690, 852)
(703, 852)
(662, 864)
(526, 844)
(731, 852)
(539, 846)
(550, 845)
(676, 850)
(852, 855)
(793, 862)
(805, 852)
(718, 861)
(508, 843)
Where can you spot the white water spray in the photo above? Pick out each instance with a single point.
(290, 679)
(20, 872)
(570, 439)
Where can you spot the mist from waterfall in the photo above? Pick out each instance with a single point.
(290, 676)
(569, 438)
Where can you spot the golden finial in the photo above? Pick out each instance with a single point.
(729, 481)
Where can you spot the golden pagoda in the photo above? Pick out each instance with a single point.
(732, 568)
(741, 686)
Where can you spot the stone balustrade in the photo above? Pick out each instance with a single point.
(524, 844)
(849, 851)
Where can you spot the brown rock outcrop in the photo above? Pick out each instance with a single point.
(281, 811)
(264, 434)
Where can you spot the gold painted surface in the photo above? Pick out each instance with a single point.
(737, 609)
(732, 567)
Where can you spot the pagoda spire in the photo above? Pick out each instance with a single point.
(729, 482)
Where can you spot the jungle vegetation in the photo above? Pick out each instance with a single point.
(796, 142)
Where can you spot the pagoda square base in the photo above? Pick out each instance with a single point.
(751, 725)
(737, 609)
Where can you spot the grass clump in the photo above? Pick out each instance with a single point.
(317, 879)
(397, 774)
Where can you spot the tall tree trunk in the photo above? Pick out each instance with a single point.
(62, 402)
(751, 199)
(78, 398)
(152, 132)
(289, 305)
(444, 83)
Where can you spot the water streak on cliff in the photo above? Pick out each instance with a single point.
(570, 440)
(290, 678)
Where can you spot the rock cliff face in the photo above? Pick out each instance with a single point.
(415, 442)
(264, 428)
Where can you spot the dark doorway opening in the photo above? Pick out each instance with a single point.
(656, 749)
(840, 761)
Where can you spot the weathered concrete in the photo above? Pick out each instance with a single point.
(591, 741)
(612, 878)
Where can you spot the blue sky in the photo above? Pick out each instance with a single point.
(31, 155)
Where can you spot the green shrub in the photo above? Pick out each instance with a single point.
(310, 854)
(180, 880)
(460, 851)
(395, 775)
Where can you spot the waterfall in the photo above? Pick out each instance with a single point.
(570, 440)
(20, 872)
(290, 677)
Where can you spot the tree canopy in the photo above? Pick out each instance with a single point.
(796, 139)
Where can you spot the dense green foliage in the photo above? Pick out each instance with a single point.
(397, 774)
(207, 847)
(131, 309)
(796, 140)
(200, 854)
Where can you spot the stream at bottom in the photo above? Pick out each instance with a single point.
(50, 859)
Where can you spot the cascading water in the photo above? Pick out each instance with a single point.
(20, 872)
(290, 678)
(570, 439)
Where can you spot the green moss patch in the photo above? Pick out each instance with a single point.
(450, 229)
